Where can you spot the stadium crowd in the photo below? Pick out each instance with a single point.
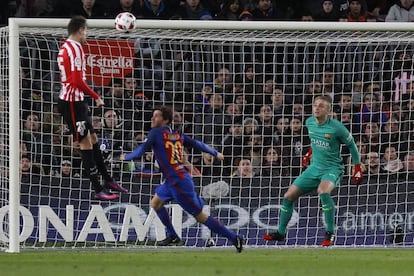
(307, 10)
(256, 121)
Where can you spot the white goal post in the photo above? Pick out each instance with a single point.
(291, 54)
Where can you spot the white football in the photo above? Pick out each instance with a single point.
(125, 22)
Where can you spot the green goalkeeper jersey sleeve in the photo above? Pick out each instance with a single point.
(326, 140)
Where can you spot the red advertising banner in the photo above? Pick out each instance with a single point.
(108, 59)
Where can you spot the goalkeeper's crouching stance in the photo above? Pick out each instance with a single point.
(325, 170)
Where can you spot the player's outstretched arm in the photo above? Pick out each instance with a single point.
(139, 151)
(189, 142)
(347, 138)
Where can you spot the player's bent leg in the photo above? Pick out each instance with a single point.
(92, 170)
(285, 214)
(217, 227)
(110, 183)
(158, 205)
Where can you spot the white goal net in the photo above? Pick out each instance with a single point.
(245, 89)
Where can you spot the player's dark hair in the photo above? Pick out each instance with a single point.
(166, 112)
(76, 23)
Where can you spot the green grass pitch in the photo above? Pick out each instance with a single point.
(178, 262)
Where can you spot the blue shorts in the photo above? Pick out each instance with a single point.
(183, 193)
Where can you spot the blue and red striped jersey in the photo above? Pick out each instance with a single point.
(167, 145)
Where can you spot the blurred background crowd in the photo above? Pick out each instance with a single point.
(305, 10)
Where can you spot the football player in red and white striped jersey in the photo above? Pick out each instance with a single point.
(74, 109)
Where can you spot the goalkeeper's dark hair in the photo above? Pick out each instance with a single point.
(166, 112)
(75, 23)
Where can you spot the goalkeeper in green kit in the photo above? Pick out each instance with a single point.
(325, 170)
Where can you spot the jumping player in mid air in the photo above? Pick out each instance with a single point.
(167, 145)
(325, 170)
(74, 108)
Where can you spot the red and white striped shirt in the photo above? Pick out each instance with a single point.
(72, 65)
(400, 85)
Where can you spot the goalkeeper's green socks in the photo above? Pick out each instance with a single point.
(328, 208)
(285, 215)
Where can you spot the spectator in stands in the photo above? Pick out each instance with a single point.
(88, 9)
(252, 84)
(180, 124)
(61, 149)
(390, 160)
(267, 92)
(244, 106)
(131, 6)
(345, 109)
(130, 86)
(67, 171)
(27, 169)
(328, 83)
(313, 89)
(372, 163)
(222, 81)
(344, 104)
(266, 125)
(264, 11)
(208, 126)
(115, 98)
(244, 169)
(204, 97)
(230, 10)
(357, 92)
(403, 80)
(401, 12)
(232, 145)
(409, 162)
(37, 142)
(377, 9)
(250, 127)
(232, 111)
(392, 134)
(194, 10)
(371, 136)
(370, 111)
(246, 15)
(253, 151)
(299, 145)
(306, 16)
(298, 111)
(328, 12)
(157, 9)
(208, 165)
(281, 135)
(272, 165)
(356, 12)
(281, 104)
(117, 139)
(31, 8)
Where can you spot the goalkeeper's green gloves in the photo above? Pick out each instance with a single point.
(357, 176)
(306, 158)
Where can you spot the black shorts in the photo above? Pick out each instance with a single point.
(76, 116)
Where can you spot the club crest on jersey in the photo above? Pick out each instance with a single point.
(327, 136)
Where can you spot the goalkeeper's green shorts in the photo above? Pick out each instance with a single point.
(310, 179)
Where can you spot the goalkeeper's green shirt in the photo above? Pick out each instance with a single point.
(326, 140)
